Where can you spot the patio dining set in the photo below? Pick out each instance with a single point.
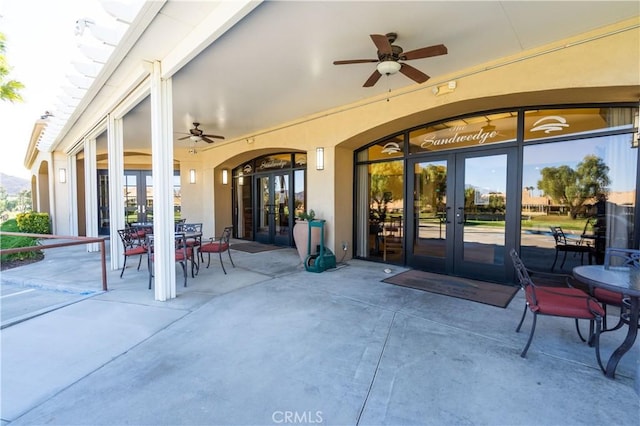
(138, 240)
(586, 294)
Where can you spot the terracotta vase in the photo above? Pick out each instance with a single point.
(301, 238)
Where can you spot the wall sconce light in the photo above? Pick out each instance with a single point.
(319, 158)
(62, 175)
(225, 176)
(192, 176)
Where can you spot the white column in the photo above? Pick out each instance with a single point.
(91, 192)
(162, 165)
(51, 183)
(115, 150)
(73, 194)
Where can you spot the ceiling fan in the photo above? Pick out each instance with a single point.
(197, 134)
(390, 55)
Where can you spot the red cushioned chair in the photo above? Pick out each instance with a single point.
(183, 254)
(132, 246)
(193, 232)
(561, 301)
(615, 257)
(142, 231)
(218, 246)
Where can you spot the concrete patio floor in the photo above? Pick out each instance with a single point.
(270, 343)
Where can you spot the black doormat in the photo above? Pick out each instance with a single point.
(254, 247)
(463, 288)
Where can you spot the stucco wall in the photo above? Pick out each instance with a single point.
(590, 68)
(605, 69)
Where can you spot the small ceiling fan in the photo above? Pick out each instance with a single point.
(390, 55)
(197, 134)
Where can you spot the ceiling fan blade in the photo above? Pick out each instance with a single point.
(413, 73)
(213, 136)
(425, 52)
(186, 137)
(382, 43)
(206, 139)
(373, 79)
(354, 61)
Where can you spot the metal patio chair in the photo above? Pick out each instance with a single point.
(615, 257)
(132, 246)
(193, 233)
(566, 246)
(181, 254)
(219, 246)
(561, 300)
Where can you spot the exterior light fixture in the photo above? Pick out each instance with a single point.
(62, 175)
(225, 176)
(443, 89)
(319, 158)
(192, 176)
(388, 67)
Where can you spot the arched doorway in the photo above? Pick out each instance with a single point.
(454, 196)
(268, 193)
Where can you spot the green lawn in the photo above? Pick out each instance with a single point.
(9, 241)
(544, 222)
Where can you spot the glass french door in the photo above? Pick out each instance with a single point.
(461, 202)
(137, 191)
(138, 196)
(274, 207)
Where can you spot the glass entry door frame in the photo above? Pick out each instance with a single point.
(274, 205)
(138, 196)
(442, 237)
(137, 193)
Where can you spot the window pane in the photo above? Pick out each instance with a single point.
(465, 133)
(552, 123)
(300, 160)
(586, 187)
(388, 148)
(273, 162)
(386, 211)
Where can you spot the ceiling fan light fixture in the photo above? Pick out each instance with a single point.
(388, 67)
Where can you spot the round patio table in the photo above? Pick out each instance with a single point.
(622, 280)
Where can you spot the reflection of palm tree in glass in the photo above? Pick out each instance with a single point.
(386, 185)
(435, 181)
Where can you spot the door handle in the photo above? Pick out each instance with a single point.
(460, 215)
(446, 215)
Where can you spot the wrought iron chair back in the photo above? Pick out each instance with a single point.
(564, 245)
(615, 257)
(219, 246)
(181, 254)
(132, 246)
(621, 257)
(193, 232)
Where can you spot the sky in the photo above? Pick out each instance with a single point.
(40, 47)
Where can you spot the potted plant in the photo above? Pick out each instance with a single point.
(301, 234)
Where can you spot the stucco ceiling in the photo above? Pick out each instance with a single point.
(276, 64)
